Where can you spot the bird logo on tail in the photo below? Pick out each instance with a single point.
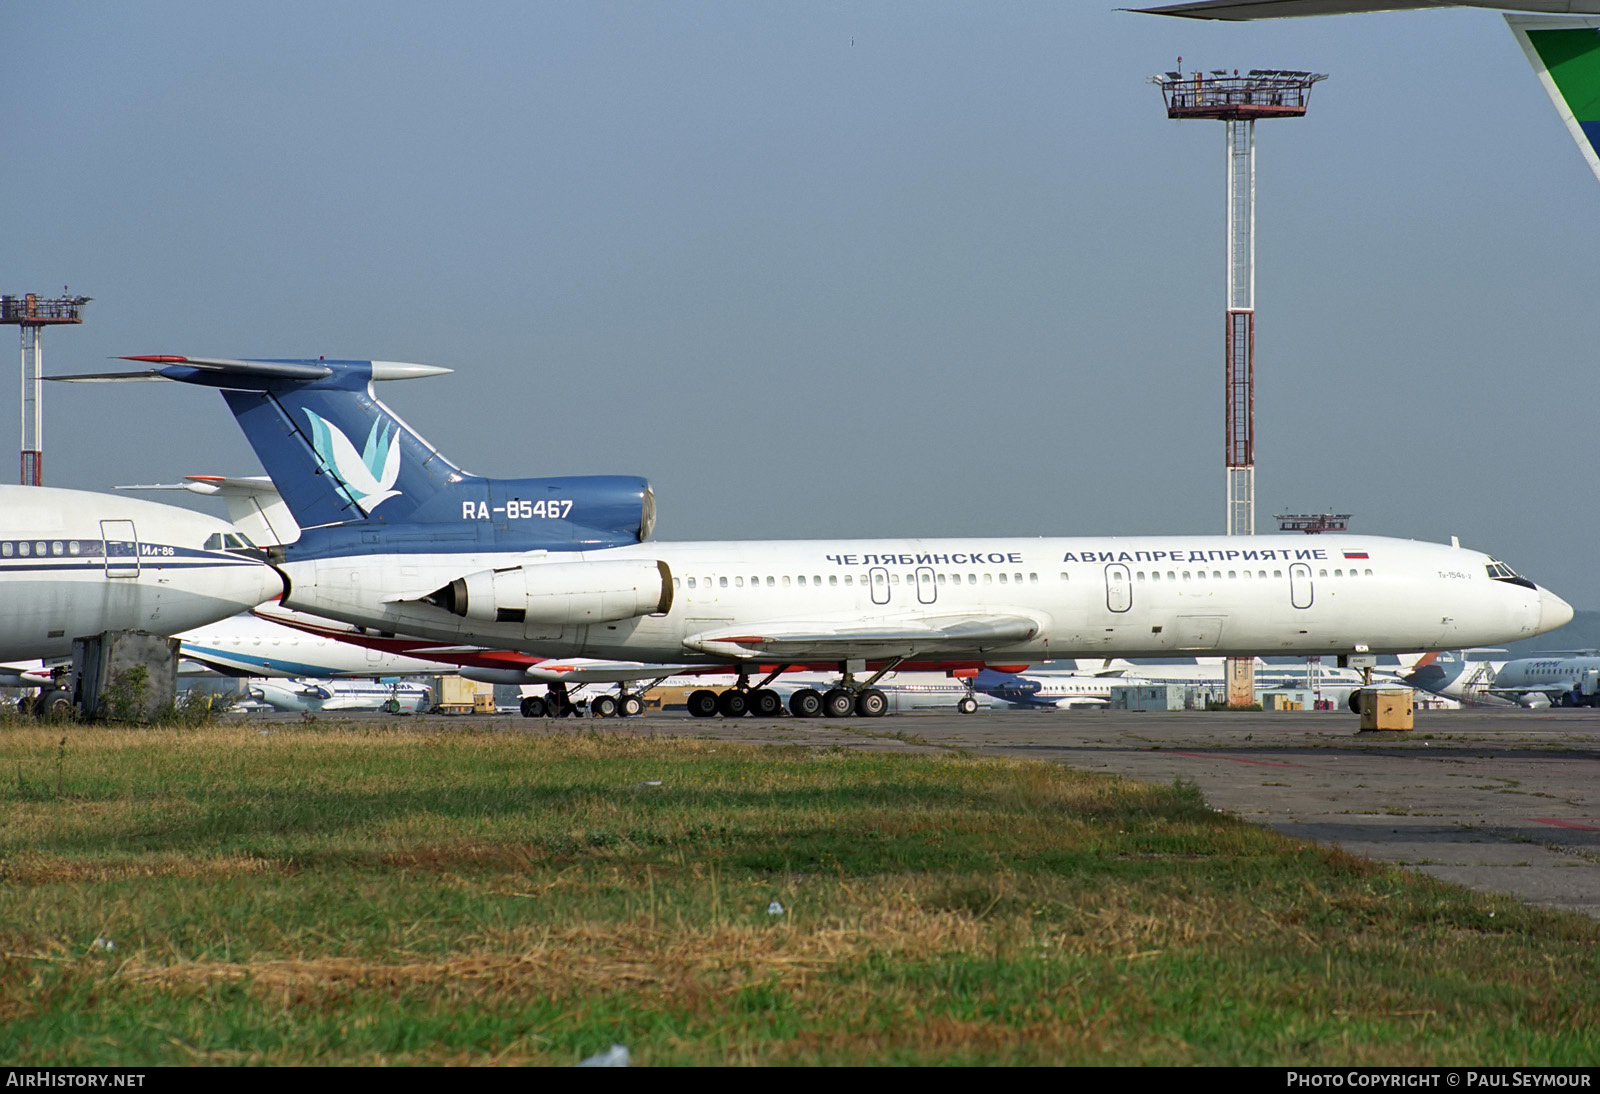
(369, 475)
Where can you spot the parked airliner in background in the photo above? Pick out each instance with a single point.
(1462, 675)
(1552, 680)
(1053, 691)
(316, 696)
(397, 538)
(256, 644)
(75, 564)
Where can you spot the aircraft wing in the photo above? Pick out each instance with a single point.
(841, 640)
(1237, 10)
(30, 674)
(583, 670)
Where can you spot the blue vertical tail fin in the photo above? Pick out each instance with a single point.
(340, 457)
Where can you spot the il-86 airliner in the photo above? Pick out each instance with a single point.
(74, 564)
(397, 538)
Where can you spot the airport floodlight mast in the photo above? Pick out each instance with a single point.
(33, 313)
(1313, 523)
(1238, 101)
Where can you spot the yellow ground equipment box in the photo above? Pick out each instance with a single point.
(1386, 708)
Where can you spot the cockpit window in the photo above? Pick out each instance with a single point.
(237, 542)
(1499, 571)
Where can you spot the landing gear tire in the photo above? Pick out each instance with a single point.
(838, 703)
(703, 703)
(765, 703)
(967, 705)
(872, 703)
(391, 706)
(533, 707)
(806, 703)
(733, 703)
(630, 706)
(53, 703)
(602, 706)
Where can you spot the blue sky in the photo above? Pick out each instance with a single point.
(828, 269)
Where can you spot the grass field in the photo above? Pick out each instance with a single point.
(348, 895)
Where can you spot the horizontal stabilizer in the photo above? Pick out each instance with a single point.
(283, 370)
(110, 377)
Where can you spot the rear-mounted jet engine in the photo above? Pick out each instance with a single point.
(564, 593)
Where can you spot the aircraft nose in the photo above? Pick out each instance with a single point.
(1553, 611)
(256, 584)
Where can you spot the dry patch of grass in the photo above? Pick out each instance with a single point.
(345, 895)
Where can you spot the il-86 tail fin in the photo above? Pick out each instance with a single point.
(339, 456)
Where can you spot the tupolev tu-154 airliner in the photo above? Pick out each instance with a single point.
(397, 538)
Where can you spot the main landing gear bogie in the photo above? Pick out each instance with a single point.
(805, 703)
(556, 704)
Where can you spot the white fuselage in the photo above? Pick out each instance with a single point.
(75, 564)
(1144, 596)
(1560, 681)
(250, 645)
(331, 695)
